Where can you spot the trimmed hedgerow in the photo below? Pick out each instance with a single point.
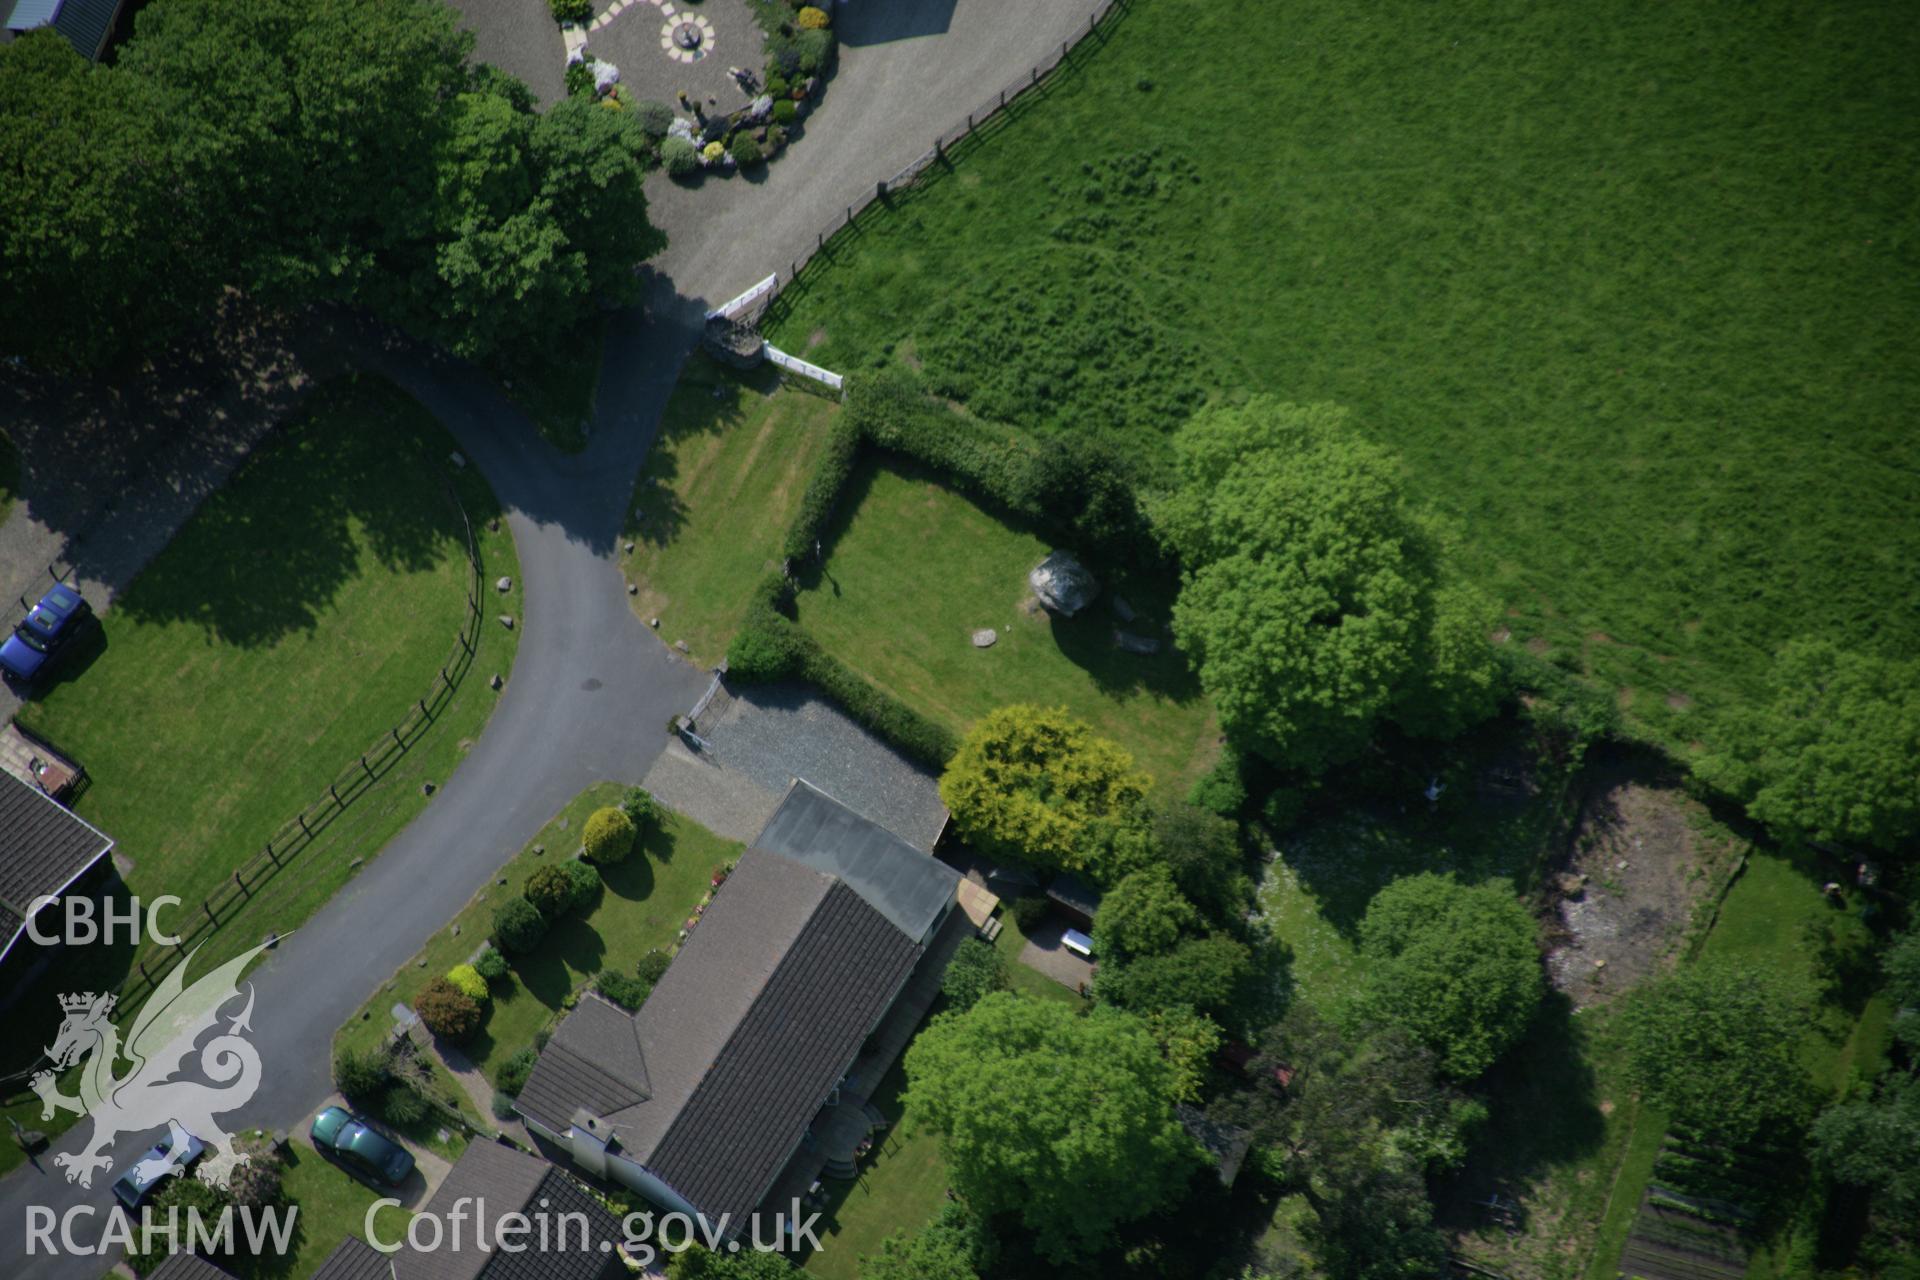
(823, 489)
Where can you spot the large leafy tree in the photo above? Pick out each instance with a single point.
(1354, 1125)
(1309, 598)
(1457, 966)
(951, 1247)
(1202, 849)
(1064, 1120)
(1830, 755)
(1717, 1044)
(311, 152)
(1037, 786)
(101, 243)
(1873, 1141)
(1200, 973)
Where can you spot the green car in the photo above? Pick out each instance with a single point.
(352, 1143)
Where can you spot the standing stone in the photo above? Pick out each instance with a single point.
(984, 638)
(506, 620)
(1063, 584)
(504, 585)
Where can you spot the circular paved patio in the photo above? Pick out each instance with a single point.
(639, 37)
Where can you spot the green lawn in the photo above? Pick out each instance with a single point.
(645, 902)
(716, 496)
(294, 619)
(556, 388)
(914, 568)
(1629, 286)
(900, 1188)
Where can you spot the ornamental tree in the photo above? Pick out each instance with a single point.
(1034, 785)
(1064, 1120)
(608, 836)
(1457, 966)
(449, 1012)
(1717, 1045)
(976, 970)
(1830, 755)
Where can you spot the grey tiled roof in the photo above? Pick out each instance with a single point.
(355, 1259)
(188, 1266)
(43, 846)
(908, 887)
(505, 1181)
(690, 1014)
(86, 24)
(592, 1061)
(730, 1140)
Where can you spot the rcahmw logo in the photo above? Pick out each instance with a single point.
(262, 1230)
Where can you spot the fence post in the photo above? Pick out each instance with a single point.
(367, 767)
(336, 796)
(271, 856)
(301, 818)
(242, 885)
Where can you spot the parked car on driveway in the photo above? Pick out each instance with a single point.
(352, 1143)
(46, 634)
(160, 1163)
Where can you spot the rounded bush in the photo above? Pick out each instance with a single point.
(713, 151)
(812, 19)
(745, 150)
(449, 1012)
(571, 10)
(583, 884)
(361, 1076)
(490, 964)
(518, 926)
(608, 837)
(403, 1107)
(550, 889)
(652, 966)
(502, 1106)
(777, 87)
(785, 110)
(468, 979)
(655, 118)
(641, 809)
(679, 157)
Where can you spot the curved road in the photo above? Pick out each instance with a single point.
(592, 687)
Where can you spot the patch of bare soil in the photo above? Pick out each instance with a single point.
(1636, 872)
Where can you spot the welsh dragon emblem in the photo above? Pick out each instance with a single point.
(157, 1046)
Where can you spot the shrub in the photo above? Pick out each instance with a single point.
(653, 966)
(762, 654)
(571, 10)
(490, 964)
(777, 87)
(712, 152)
(655, 118)
(784, 110)
(583, 882)
(642, 810)
(776, 139)
(811, 19)
(502, 1106)
(627, 992)
(518, 926)
(256, 1183)
(513, 1073)
(1029, 911)
(679, 157)
(403, 1107)
(468, 980)
(361, 1076)
(1219, 790)
(976, 970)
(579, 81)
(823, 487)
(449, 1012)
(550, 890)
(608, 837)
(813, 50)
(745, 150)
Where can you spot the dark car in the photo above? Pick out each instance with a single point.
(47, 632)
(160, 1163)
(352, 1143)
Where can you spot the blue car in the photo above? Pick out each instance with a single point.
(48, 630)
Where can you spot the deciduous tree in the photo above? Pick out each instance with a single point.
(1064, 1120)
(1143, 915)
(1037, 786)
(1831, 753)
(1457, 966)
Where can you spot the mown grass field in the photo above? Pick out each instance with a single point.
(714, 500)
(914, 568)
(293, 620)
(1631, 288)
(643, 903)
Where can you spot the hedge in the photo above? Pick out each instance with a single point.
(823, 490)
